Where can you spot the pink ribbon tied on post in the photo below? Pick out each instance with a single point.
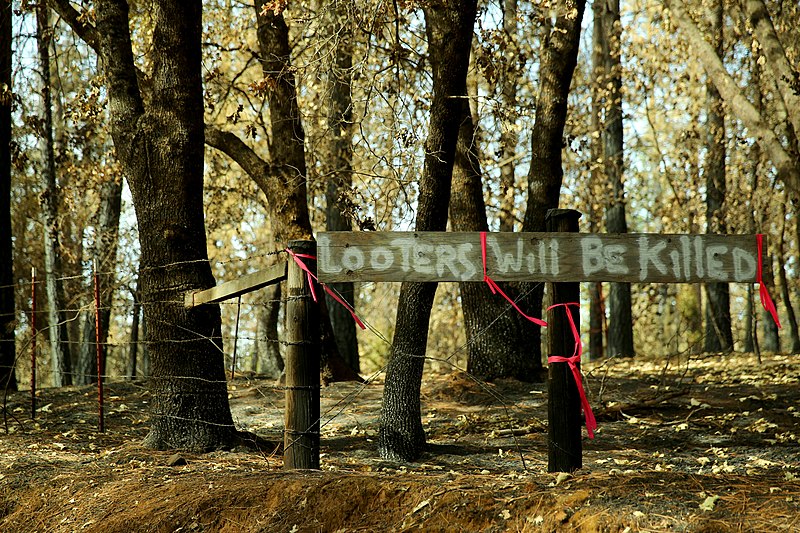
(311, 277)
(591, 423)
(766, 300)
(495, 288)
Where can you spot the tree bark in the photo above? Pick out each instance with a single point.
(283, 178)
(718, 334)
(785, 291)
(495, 345)
(133, 347)
(559, 52)
(8, 350)
(268, 359)
(620, 327)
(160, 147)
(449, 28)
(60, 369)
(510, 118)
(105, 251)
(597, 306)
(338, 166)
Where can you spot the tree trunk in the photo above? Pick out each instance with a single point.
(8, 350)
(749, 345)
(785, 291)
(509, 118)
(133, 347)
(268, 359)
(620, 327)
(559, 52)
(718, 334)
(283, 180)
(58, 335)
(160, 147)
(495, 346)
(105, 251)
(449, 29)
(338, 166)
(597, 306)
(287, 195)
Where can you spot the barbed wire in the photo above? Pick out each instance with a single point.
(334, 411)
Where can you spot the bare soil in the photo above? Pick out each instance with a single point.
(706, 444)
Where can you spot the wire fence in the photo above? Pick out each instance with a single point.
(231, 339)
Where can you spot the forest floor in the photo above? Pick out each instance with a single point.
(705, 444)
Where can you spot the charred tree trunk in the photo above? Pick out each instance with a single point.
(58, 334)
(105, 250)
(597, 306)
(133, 347)
(338, 167)
(8, 350)
(620, 326)
(785, 291)
(268, 359)
(559, 54)
(283, 178)
(449, 27)
(718, 335)
(160, 147)
(495, 346)
(510, 118)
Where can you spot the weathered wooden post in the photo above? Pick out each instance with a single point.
(564, 449)
(301, 436)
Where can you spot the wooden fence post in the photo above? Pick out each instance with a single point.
(564, 449)
(301, 436)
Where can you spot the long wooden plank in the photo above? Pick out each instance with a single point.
(237, 287)
(556, 257)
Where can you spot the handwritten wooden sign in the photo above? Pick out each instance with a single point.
(557, 257)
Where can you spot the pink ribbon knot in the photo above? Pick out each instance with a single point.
(311, 277)
(591, 423)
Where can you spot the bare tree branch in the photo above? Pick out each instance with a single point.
(231, 145)
(787, 167)
(776, 57)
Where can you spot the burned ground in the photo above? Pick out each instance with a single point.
(704, 444)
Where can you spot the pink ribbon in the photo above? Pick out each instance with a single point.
(311, 277)
(766, 300)
(495, 288)
(591, 423)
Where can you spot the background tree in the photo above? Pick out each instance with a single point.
(8, 378)
(496, 347)
(761, 127)
(718, 336)
(620, 325)
(449, 29)
(60, 353)
(597, 308)
(338, 162)
(104, 253)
